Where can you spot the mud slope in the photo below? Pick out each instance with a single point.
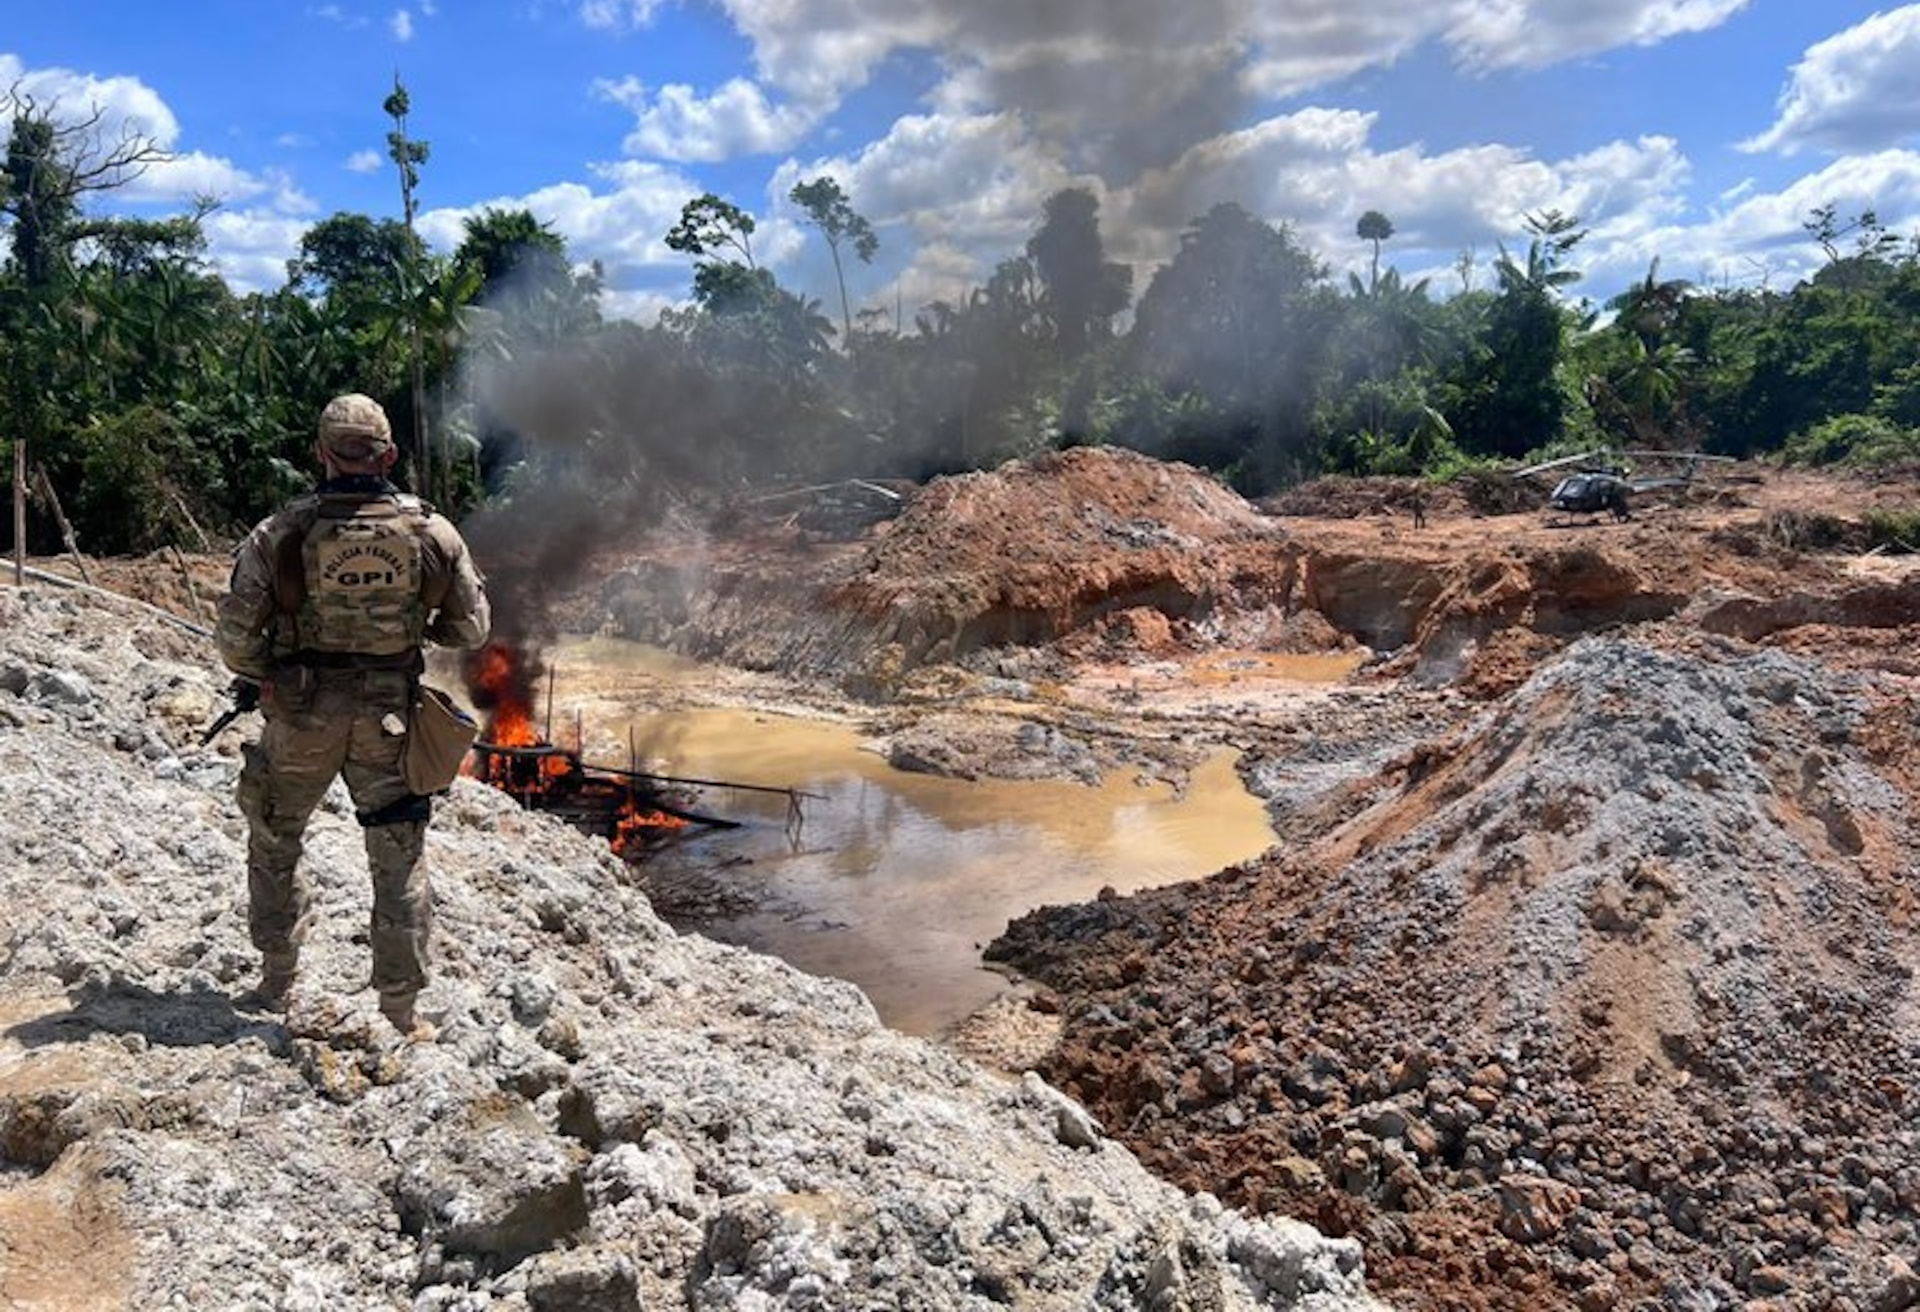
(1609, 998)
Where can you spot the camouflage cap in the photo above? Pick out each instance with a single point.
(354, 427)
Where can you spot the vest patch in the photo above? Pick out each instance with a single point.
(363, 574)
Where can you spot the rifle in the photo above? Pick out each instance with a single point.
(246, 697)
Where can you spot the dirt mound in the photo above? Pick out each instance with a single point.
(1609, 998)
(1021, 556)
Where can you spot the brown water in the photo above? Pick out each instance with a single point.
(897, 880)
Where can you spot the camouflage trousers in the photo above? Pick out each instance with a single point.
(321, 724)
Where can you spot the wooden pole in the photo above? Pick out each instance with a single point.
(193, 593)
(179, 504)
(67, 537)
(42, 576)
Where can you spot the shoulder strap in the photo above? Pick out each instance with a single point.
(289, 568)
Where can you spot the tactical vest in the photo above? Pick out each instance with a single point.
(351, 579)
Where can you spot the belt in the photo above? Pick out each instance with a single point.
(406, 662)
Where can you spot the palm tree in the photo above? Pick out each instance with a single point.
(1650, 307)
(1376, 228)
(1555, 235)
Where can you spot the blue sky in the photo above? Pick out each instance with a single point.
(1700, 132)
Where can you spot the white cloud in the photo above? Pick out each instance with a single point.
(1302, 46)
(183, 177)
(1537, 33)
(108, 115)
(1853, 91)
(401, 25)
(1762, 241)
(677, 123)
(116, 106)
(251, 248)
(623, 225)
(1316, 171)
(818, 50)
(954, 194)
(337, 15)
(617, 15)
(366, 161)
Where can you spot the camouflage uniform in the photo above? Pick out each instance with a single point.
(330, 602)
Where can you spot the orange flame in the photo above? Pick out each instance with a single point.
(635, 823)
(500, 682)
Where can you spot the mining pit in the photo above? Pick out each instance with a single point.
(1579, 970)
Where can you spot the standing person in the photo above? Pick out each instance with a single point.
(331, 601)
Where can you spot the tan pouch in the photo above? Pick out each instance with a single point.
(439, 735)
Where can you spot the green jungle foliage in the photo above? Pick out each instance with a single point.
(157, 407)
(1897, 531)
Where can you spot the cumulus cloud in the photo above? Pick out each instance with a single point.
(366, 161)
(1537, 33)
(401, 25)
(117, 107)
(337, 15)
(1317, 171)
(1760, 239)
(622, 223)
(250, 248)
(677, 123)
(192, 175)
(1853, 91)
(109, 116)
(950, 195)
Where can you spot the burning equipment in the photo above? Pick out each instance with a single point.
(633, 809)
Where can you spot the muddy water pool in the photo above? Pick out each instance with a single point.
(895, 880)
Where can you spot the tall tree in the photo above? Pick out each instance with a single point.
(53, 163)
(1234, 326)
(1376, 228)
(709, 225)
(1516, 401)
(830, 211)
(524, 276)
(352, 256)
(408, 155)
(1084, 293)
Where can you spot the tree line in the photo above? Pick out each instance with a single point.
(150, 405)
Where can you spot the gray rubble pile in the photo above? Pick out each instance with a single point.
(614, 1116)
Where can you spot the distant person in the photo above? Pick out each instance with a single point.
(1419, 507)
(331, 601)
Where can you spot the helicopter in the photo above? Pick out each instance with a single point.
(1600, 480)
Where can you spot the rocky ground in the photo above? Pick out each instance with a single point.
(1582, 973)
(613, 1116)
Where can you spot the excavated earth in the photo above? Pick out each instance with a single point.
(1581, 973)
